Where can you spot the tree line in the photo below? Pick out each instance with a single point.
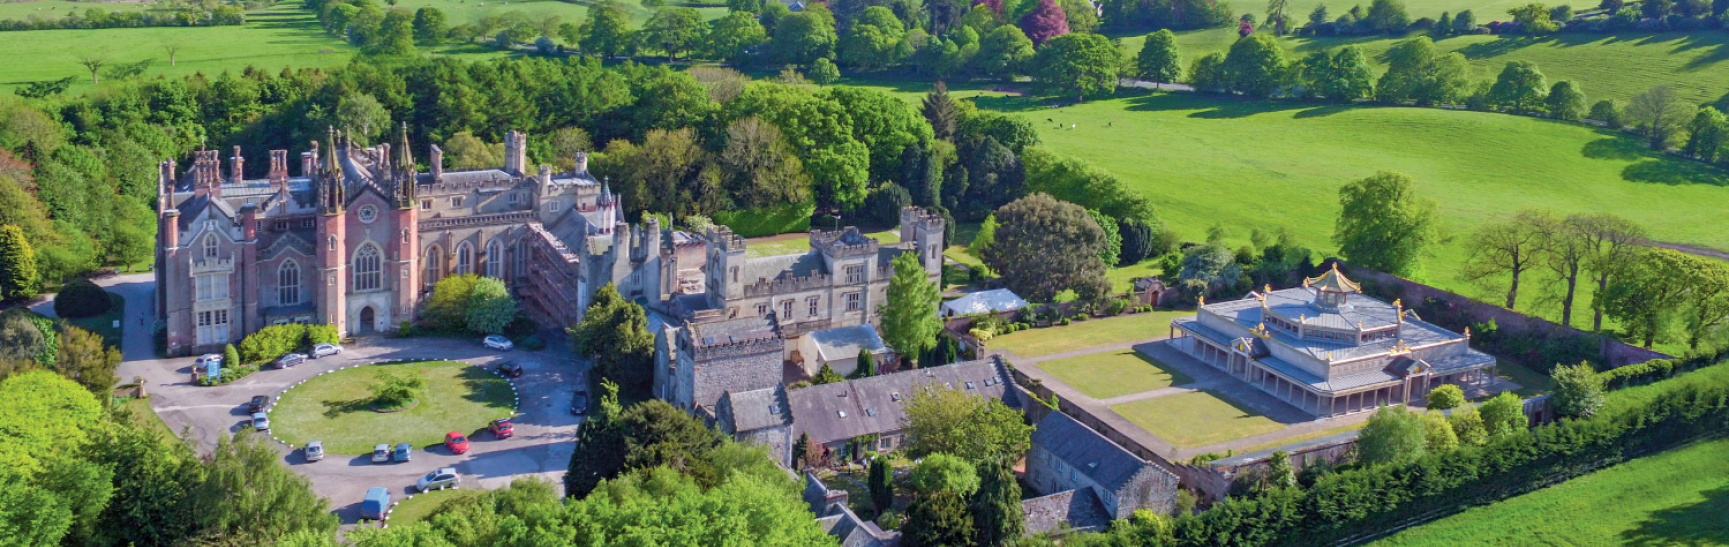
(169, 16)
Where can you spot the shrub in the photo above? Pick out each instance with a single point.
(230, 356)
(396, 390)
(81, 298)
(230, 375)
(533, 343)
(405, 329)
(980, 334)
(272, 342)
(322, 334)
(1445, 397)
(1064, 322)
(1081, 317)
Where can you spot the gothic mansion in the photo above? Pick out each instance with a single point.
(360, 237)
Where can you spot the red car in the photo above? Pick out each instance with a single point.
(456, 442)
(501, 428)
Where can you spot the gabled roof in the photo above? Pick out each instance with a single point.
(845, 342)
(876, 405)
(755, 409)
(1085, 450)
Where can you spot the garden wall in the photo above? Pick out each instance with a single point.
(1455, 312)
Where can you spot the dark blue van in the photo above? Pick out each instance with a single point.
(376, 504)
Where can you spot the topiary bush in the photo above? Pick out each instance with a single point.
(81, 298)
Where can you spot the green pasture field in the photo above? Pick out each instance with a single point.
(465, 11)
(1607, 66)
(57, 9)
(1680, 497)
(1267, 165)
(283, 36)
(1110, 374)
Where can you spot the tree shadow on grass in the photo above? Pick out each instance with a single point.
(1209, 106)
(335, 409)
(1615, 148)
(1674, 172)
(482, 386)
(1696, 524)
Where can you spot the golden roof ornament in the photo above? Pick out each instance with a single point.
(1202, 301)
(1467, 332)
(1269, 287)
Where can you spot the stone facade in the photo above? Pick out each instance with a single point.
(1067, 455)
(359, 238)
(1327, 349)
(705, 360)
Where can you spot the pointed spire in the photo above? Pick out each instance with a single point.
(404, 160)
(606, 191)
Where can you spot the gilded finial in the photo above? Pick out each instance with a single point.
(1269, 287)
(1399, 303)
(1467, 332)
(1202, 301)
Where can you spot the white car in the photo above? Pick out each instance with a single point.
(499, 343)
(314, 451)
(322, 350)
(439, 480)
(260, 421)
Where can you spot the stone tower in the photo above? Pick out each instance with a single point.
(332, 240)
(405, 249)
(925, 232)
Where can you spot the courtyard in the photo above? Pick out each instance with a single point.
(1114, 373)
(1086, 335)
(1196, 418)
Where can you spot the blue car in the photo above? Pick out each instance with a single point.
(401, 453)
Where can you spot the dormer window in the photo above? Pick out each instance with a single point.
(210, 246)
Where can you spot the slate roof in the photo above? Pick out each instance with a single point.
(732, 330)
(845, 342)
(994, 300)
(1293, 304)
(1085, 450)
(756, 409)
(876, 405)
(1079, 509)
(1334, 281)
(770, 268)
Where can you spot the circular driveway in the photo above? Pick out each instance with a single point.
(545, 429)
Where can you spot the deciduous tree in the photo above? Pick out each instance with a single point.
(1647, 294)
(1566, 101)
(1044, 22)
(1509, 247)
(1503, 415)
(1578, 390)
(970, 427)
(1159, 61)
(1446, 396)
(673, 30)
(1393, 435)
(1659, 114)
(1384, 225)
(1078, 65)
(614, 332)
(731, 38)
(1519, 85)
(1044, 246)
(1004, 52)
(490, 306)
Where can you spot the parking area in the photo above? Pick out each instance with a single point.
(541, 446)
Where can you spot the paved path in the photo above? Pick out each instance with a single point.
(542, 446)
(1203, 378)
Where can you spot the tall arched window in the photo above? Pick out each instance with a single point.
(366, 268)
(288, 284)
(464, 259)
(495, 260)
(210, 246)
(434, 264)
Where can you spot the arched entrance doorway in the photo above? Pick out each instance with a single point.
(367, 319)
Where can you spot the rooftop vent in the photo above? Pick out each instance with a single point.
(871, 412)
(774, 409)
(895, 395)
(842, 413)
(969, 385)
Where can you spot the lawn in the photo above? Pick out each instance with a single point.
(538, 11)
(1294, 439)
(336, 407)
(1115, 373)
(54, 10)
(1680, 497)
(1195, 419)
(1245, 165)
(420, 506)
(1531, 383)
(285, 35)
(1086, 334)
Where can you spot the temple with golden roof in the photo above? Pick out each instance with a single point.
(1329, 349)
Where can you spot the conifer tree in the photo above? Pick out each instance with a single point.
(996, 507)
(940, 110)
(18, 274)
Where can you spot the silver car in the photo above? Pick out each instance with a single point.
(438, 480)
(322, 350)
(381, 453)
(314, 451)
(260, 421)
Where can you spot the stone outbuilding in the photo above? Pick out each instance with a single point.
(1067, 455)
(839, 349)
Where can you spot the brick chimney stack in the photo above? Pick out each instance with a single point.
(309, 162)
(236, 167)
(278, 167)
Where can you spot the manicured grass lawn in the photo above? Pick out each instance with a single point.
(419, 507)
(1531, 382)
(1086, 334)
(1312, 435)
(1107, 375)
(104, 324)
(1680, 497)
(1269, 165)
(1194, 419)
(336, 407)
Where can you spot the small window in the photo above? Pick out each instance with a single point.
(761, 310)
(515, 197)
(852, 302)
(306, 223)
(811, 302)
(210, 246)
(456, 201)
(426, 205)
(552, 206)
